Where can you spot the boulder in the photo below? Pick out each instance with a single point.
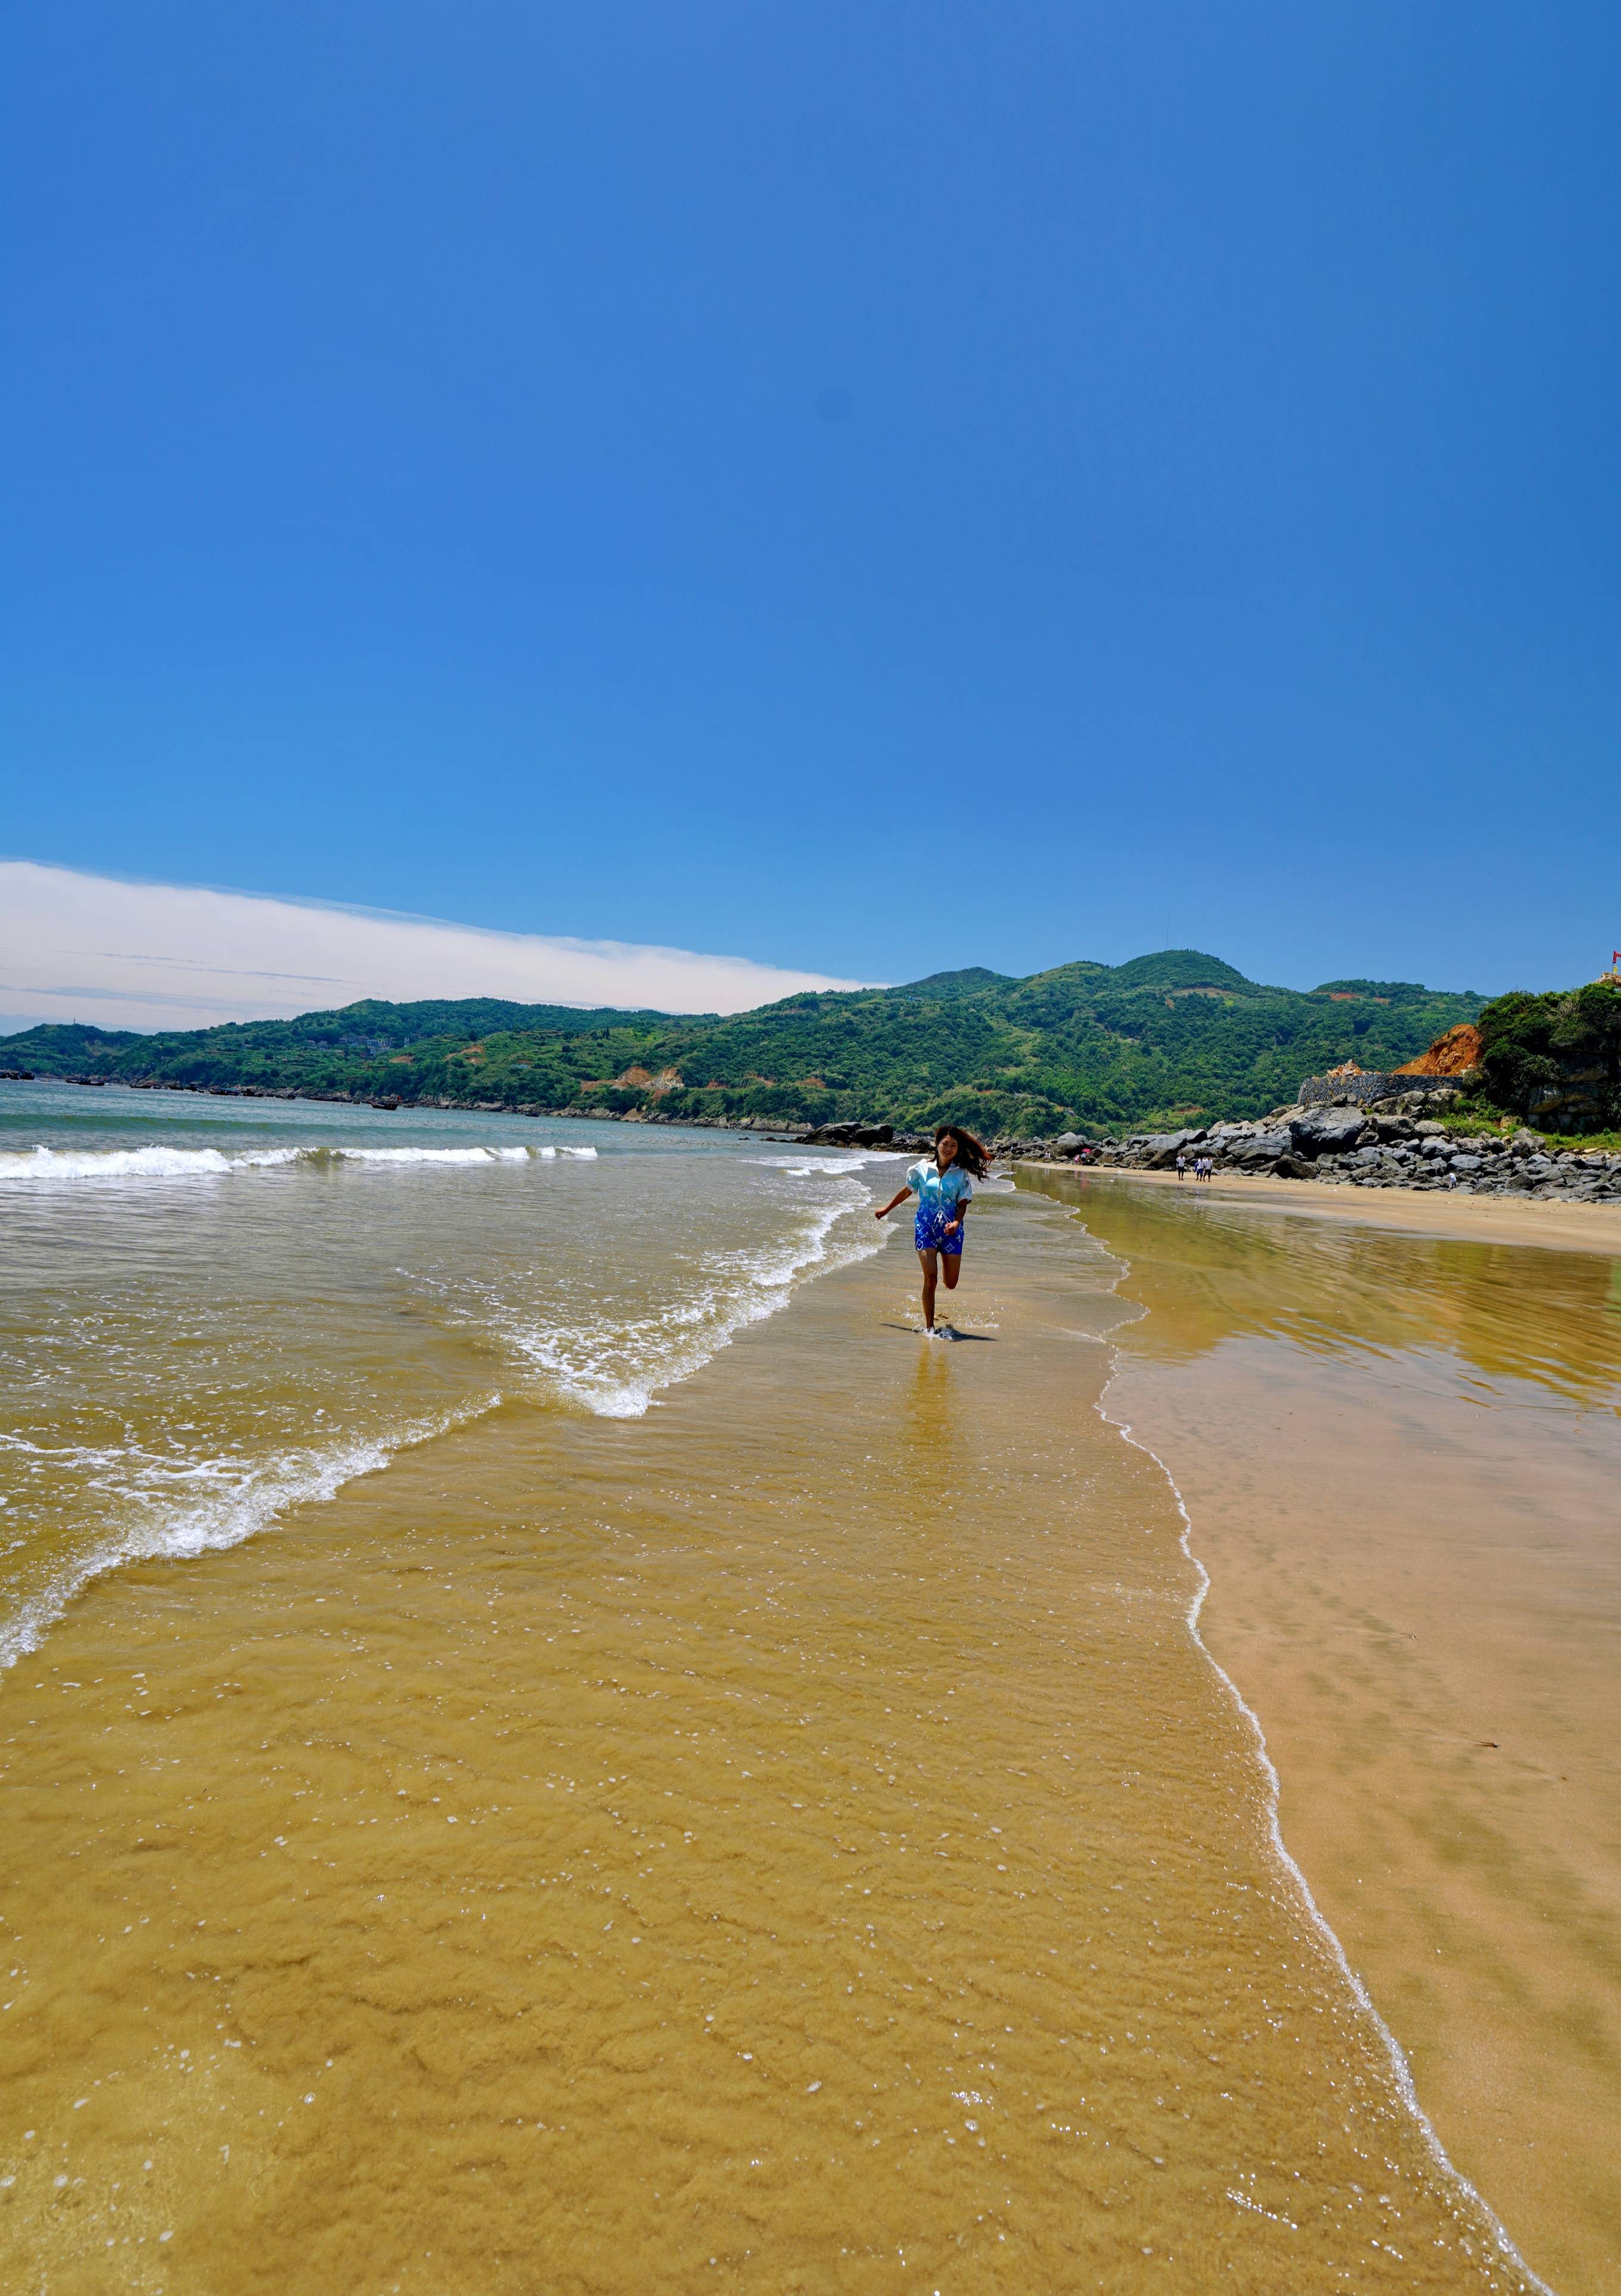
(1327, 1131)
(1161, 1148)
(851, 1135)
(1260, 1149)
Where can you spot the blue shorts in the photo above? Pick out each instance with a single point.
(929, 1233)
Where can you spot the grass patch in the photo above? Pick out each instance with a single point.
(1482, 1124)
(1587, 1144)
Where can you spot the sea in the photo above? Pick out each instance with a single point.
(213, 1310)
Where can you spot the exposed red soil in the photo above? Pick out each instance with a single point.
(1450, 1055)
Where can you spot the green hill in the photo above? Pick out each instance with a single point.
(1109, 1047)
(1554, 1059)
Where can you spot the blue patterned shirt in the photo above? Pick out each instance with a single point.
(948, 1190)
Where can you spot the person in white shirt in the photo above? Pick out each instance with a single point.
(944, 1186)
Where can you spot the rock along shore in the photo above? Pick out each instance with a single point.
(1398, 1143)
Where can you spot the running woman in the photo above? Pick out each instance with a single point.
(944, 1186)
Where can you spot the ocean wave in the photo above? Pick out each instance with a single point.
(425, 1155)
(805, 1167)
(609, 1352)
(231, 1499)
(615, 1369)
(55, 1166)
(115, 1163)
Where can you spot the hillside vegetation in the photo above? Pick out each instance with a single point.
(1554, 1059)
(1162, 1039)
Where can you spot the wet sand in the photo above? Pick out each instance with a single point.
(1417, 1212)
(790, 1842)
(1395, 1428)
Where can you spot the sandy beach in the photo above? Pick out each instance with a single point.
(789, 1842)
(1392, 1419)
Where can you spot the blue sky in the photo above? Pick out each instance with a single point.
(860, 487)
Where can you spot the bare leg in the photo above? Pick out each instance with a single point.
(930, 1260)
(951, 1268)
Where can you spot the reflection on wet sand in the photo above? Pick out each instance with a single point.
(1400, 1456)
(791, 1842)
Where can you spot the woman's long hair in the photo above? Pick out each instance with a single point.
(972, 1155)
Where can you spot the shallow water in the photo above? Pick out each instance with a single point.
(211, 1310)
(1401, 1456)
(1511, 1327)
(788, 1839)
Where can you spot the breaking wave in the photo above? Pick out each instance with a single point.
(54, 1166)
(175, 1509)
(613, 1363)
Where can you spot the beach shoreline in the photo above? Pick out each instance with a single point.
(794, 1829)
(1417, 1212)
(1402, 1511)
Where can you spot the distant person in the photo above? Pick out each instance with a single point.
(1182, 1166)
(944, 1186)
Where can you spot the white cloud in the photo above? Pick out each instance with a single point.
(79, 947)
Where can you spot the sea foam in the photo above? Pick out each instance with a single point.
(199, 1506)
(56, 1165)
(614, 1368)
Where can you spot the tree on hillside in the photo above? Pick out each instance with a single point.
(1556, 1056)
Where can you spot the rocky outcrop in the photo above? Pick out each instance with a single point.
(1398, 1143)
(865, 1135)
